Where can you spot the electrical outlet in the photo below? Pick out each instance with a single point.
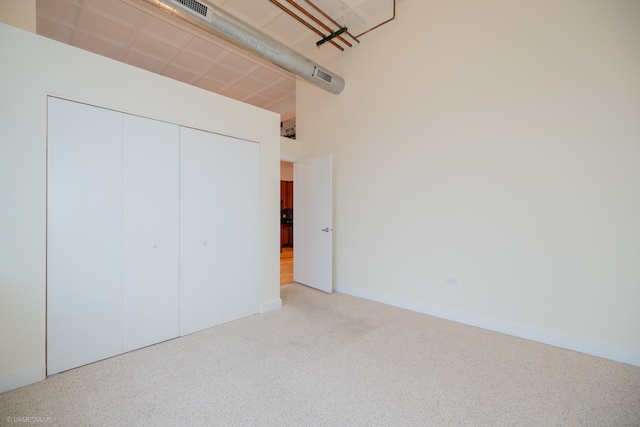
(450, 280)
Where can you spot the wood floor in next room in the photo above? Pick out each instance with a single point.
(286, 266)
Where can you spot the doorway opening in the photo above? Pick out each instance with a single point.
(286, 223)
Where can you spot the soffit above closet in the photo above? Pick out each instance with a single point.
(136, 33)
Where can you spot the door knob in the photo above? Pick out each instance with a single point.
(326, 230)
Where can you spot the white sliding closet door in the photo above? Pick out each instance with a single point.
(152, 232)
(151, 295)
(241, 229)
(201, 230)
(84, 235)
(219, 229)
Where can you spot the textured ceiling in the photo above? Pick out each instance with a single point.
(139, 34)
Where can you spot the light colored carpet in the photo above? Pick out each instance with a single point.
(336, 360)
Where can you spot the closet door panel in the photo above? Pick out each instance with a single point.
(151, 232)
(201, 230)
(242, 229)
(84, 235)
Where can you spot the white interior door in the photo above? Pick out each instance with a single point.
(241, 229)
(312, 222)
(151, 293)
(84, 235)
(201, 230)
(219, 229)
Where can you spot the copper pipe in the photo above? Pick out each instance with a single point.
(317, 21)
(380, 25)
(330, 19)
(237, 32)
(305, 23)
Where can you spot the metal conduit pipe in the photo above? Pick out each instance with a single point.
(303, 22)
(381, 24)
(333, 21)
(241, 34)
(317, 21)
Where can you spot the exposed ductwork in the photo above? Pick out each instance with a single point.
(213, 19)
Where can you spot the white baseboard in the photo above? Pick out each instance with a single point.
(270, 306)
(605, 351)
(22, 378)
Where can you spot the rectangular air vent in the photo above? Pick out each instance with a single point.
(290, 130)
(322, 75)
(194, 5)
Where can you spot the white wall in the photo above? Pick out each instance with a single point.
(34, 67)
(290, 149)
(496, 143)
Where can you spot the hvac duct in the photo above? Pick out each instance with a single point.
(239, 33)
